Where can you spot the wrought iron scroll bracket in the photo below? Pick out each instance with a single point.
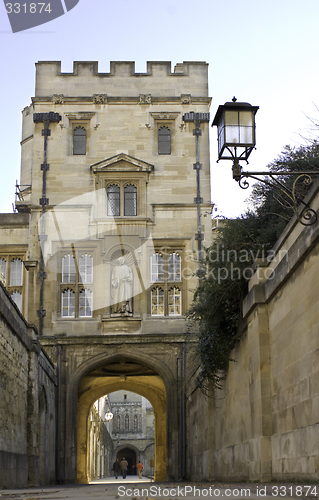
(306, 215)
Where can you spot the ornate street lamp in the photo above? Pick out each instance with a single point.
(236, 126)
(108, 416)
(236, 135)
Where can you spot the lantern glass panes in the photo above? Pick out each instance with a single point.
(236, 130)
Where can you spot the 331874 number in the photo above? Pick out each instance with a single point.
(33, 8)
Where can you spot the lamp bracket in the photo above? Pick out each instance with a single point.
(306, 216)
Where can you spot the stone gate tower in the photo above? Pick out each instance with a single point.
(101, 254)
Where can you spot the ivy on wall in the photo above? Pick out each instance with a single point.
(216, 312)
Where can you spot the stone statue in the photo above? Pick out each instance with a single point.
(122, 289)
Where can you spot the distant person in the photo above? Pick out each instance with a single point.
(117, 468)
(139, 469)
(123, 465)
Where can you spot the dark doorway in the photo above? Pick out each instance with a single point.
(130, 457)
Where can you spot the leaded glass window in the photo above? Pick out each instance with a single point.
(164, 141)
(86, 269)
(77, 299)
(166, 299)
(17, 298)
(113, 200)
(68, 304)
(157, 301)
(85, 303)
(157, 267)
(68, 269)
(79, 141)
(16, 272)
(174, 301)
(173, 267)
(130, 200)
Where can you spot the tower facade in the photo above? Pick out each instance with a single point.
(102, 253)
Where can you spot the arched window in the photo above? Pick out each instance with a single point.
(68, 304)
(16, 274)
(174, 301)
(86, 268)
(157, 301)
(157, 267)
(173, 267)
(68, 269)
(118, 423)
(113, 200)
(79, 141)
(127, 423)
(166, 299)
(130, 200)
(17, 298)
(77, 295)
(164, 141)
(85, 303)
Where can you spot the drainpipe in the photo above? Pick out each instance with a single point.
(197, 119)
(44, 118)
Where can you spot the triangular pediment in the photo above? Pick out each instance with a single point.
(122, 163)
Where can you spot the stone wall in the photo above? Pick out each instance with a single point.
(27, 403)
(200, 437)
(265, 418)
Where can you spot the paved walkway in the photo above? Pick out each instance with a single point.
(120, 480)
(133, 488)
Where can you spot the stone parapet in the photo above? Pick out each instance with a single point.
(187, 78)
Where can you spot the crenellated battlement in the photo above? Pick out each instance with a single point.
(187, 78)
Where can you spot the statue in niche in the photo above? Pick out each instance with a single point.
(122, 289)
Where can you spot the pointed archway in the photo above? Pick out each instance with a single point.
(117, 373)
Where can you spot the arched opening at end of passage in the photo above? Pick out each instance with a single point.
(121, 375)
(121, 433)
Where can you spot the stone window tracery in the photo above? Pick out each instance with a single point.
(166, 299)
(122, 199)
(11, 276)
(77, 299)
(157, 301)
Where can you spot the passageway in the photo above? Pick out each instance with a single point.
(122, 374)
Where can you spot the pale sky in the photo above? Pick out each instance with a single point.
(263, 52)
